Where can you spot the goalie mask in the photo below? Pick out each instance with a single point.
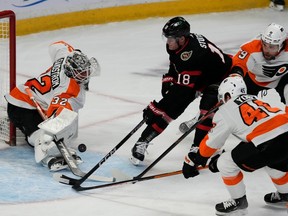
(232, 87)
(79, 67)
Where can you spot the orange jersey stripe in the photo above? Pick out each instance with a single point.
(281, 181)
(267, 126)
(16, 93)
(234, 180)
(204, 149)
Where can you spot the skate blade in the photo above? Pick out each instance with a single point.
(280, 205)
(135, 161)
(238, 212)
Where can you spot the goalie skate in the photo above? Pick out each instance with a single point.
(59, 163)
(56, 164)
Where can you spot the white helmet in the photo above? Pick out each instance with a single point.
(234, 86)
(274, 34)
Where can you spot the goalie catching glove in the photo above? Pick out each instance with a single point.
(192, 161)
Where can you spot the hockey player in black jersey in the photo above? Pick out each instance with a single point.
(196, 66)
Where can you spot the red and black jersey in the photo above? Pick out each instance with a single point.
(198, 63)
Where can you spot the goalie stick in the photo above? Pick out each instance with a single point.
(77, 182)
(64, 150)
(78, 186)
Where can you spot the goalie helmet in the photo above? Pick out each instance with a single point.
(79, 67)
(176, 27)
(234, 86)
(274, 34)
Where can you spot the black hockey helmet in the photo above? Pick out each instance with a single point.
(176, 27)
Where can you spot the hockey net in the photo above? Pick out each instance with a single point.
(7, 72)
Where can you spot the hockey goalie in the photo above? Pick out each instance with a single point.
(58, 93)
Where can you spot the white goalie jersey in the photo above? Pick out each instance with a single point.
(52, 88)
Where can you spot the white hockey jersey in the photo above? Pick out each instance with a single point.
(265, 73)
(52, 88)
(246, 117)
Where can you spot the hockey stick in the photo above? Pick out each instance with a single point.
(77, 182)
(78, 187)
(63, 148)
(136, 179)
(205, 116)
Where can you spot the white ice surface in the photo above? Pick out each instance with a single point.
(133, 58)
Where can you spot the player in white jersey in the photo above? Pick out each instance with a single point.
(262, 130)
(263, 62)
(62, 86)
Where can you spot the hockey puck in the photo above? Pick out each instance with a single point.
(82, 148)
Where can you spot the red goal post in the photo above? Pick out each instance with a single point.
(7, 71)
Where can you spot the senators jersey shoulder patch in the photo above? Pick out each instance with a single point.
(186, 55)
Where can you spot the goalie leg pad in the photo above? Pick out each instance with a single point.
(44, 145)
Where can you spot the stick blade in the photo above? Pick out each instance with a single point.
(62, 178)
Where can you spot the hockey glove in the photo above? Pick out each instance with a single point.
(192, 161)
(167, 82)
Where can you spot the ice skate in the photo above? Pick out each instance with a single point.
(56, 164)
(232, 207)
(138, 152)
(276, 199)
